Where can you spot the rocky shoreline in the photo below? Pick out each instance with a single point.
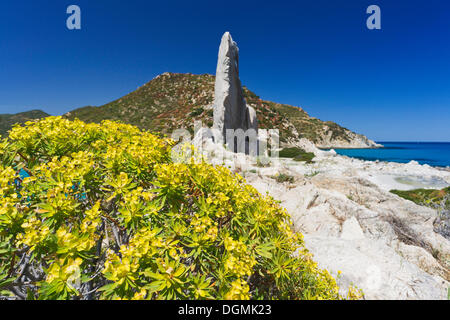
(363, 234)
(333, 147)
(355, 141)
(384, 244)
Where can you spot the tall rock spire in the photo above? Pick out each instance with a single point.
(230, 108)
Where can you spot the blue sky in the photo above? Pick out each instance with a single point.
(389, 84)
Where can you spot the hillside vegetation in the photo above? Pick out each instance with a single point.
(426, 197)
(8, 120)
(297, 154)
(100, 211)
(436, 199)
(172, 101)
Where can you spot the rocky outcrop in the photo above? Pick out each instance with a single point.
(355, 228)
(348, 140)
(375, 240)
(230, 108)
(172, 101)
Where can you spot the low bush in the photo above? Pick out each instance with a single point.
(297, 154)
(426, 197)
(436, 199)
(263, 162)
(100, 211)
(196, 112)
(282, 177)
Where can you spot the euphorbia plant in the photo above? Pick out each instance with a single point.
(100, 211)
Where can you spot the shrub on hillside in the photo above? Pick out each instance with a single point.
(282, 177)
(436, 199)
(196, 112)
(297, 154)
(91, 211)
(426, 197)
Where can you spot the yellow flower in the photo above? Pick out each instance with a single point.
(140, 295)
(66, 270)
(169, 218)
(34, 233)
(239, 291)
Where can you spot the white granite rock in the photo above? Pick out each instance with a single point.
(383, 244)
(351, 230)
(230, 108)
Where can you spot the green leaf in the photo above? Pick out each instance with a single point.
(6, 282)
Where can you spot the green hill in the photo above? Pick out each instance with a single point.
(171, 101)
(8, 120)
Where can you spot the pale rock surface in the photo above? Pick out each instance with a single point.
(355, 140)
(351, 230)
(381, 243)
(375, 268)
(230, 108)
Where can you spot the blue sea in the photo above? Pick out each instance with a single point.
(432, 153)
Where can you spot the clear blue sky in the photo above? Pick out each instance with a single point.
(390, 84)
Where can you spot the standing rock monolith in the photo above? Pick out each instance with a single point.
(230, 108)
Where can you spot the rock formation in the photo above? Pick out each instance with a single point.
(385, 245)
(230, 108)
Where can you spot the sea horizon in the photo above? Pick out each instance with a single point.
(412, 141)
(436, 154)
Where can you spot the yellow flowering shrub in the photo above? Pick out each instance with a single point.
(100, 211)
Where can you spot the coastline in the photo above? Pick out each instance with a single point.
(352, 148)
(434, 154)
(353, 225)
(362, 147)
